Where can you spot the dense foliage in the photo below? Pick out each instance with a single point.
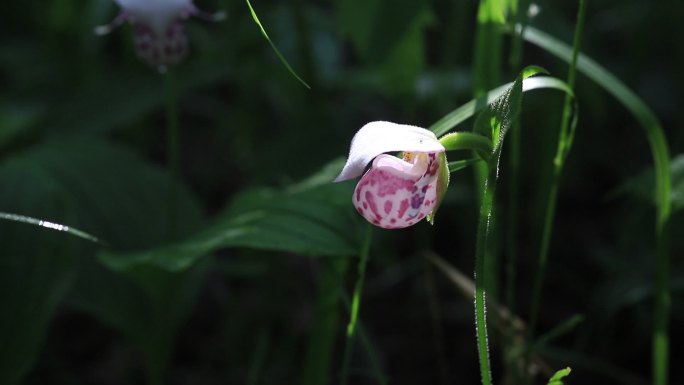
(239, 266)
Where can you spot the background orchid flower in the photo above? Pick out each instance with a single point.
(159, 34)
(395, 192)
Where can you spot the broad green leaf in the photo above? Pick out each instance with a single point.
(104, 190)
(128, 100)
(311, 221)
(642, 185)
(390, 42)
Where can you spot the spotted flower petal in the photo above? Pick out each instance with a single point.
(394, 192)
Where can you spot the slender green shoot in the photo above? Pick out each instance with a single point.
(366, 343)
(172, 150)
(483, 230)
(661, 159)
(515, 61)
(49, 225)
(324, 331)
(356, 303)
(275, 49)
(557, 378)
(261, 347)
(510, 355)
(487, 74)
(565, 138)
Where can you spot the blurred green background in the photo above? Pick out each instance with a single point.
(255, 295)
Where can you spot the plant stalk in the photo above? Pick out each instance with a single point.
(172, 151)
(356, 303)
(483, 230)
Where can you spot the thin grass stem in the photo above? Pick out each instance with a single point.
(565, 137)
(663, 184)
(356, 303)
(487, 74)
(483, 229)
(512, 217)
(172, 150)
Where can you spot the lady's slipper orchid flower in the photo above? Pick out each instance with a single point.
(396, 193)
(159, 34)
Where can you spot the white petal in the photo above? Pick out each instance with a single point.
(157, 14)
(379, 137)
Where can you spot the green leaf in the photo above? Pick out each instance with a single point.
(663, 184)
(312, 221)
(492, 11)
(557, 378)
(469, 109)
(559, 330)
(643, 184)
(392, 43)
(630, 100)
(105, 190)
(494, 121)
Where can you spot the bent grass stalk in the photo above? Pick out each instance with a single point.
(661, 161)
(565, 137)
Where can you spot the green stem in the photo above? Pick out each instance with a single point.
(172, 150)
(467, 141)
(483, 230)
(324, 331)
(487, 75)
(515, 59)
(564, 143)
(510, 354)
(356, 303)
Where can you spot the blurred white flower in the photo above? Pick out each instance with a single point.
(159, 34)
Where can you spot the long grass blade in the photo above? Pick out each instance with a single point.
(48, 225)
(661, 159)
(275, 49)
(565, 137)
(472, 107)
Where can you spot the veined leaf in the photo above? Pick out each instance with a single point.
(314, 221)
(110, 192)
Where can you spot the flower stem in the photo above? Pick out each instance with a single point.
(510, 353)
(356, 303)
(172, 150)
(467, 141)
(483, 230)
